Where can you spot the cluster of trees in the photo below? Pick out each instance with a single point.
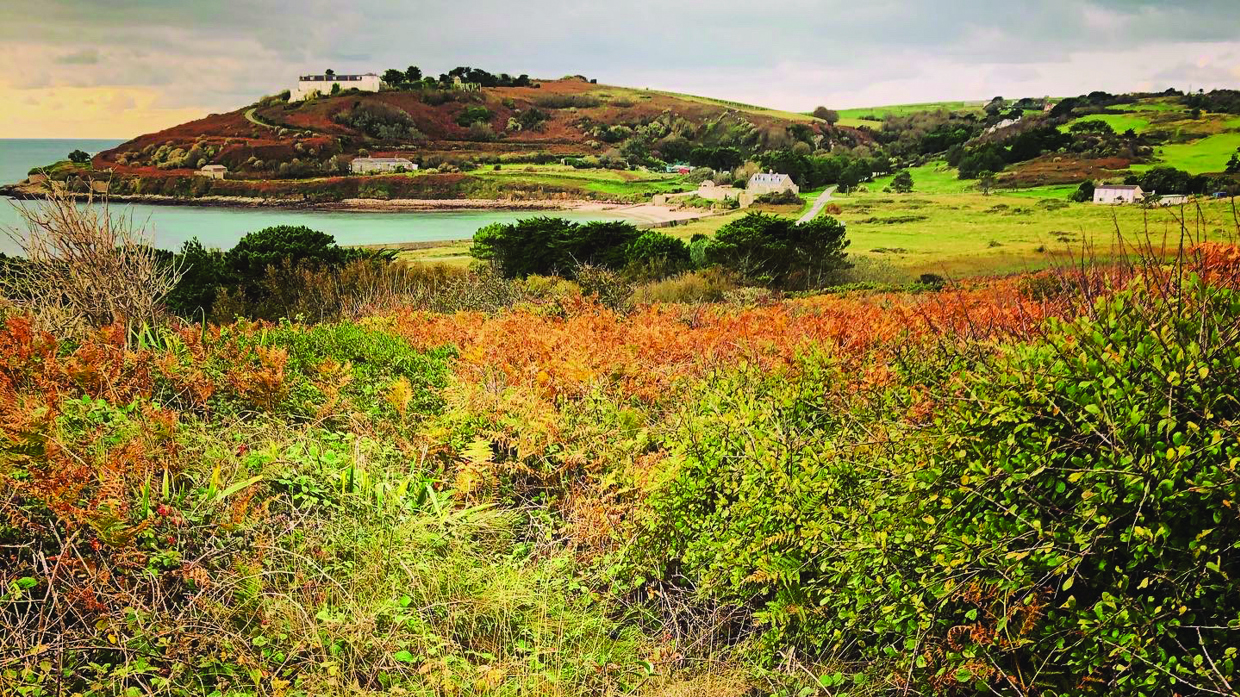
(1169, 180)
(378, 120)
(412, 78)
(813, 171)
(994, 156)
(1222, 101)
(831, 116)
(767, 249)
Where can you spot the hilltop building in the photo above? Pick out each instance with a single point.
(1118, 193)
(308, 85)
(770, 183)
(375, 165)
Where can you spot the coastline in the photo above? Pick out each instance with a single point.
(643, 214)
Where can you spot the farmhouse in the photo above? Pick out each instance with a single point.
(1118, 193)
(213, 171)
(371, 165)
(309, 85)
(770, 183)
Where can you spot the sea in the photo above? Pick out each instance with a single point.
(171, 226)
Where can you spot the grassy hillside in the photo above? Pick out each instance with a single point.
(599, 127)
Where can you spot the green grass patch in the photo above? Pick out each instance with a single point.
(906, 109)
(1201, 156)
(1118, 122)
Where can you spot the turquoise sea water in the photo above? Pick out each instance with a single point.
(222, 227)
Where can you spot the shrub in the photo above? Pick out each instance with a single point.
(705, 286)
(247, 262)
(902, 183)
(86, 268)
(1084, 193)
(379, 120)
(567, 101)
(473, 114)
(202, 273)
(654, 246)
(777, 251)
(546, 246)
(1069, 507)
(780, 198)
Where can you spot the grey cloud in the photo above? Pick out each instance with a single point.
(216, 53)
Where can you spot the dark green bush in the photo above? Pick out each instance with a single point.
(654, 246)
(247, 262)
(473, 114)
(777, 251)
(202, 273)
(547, 246)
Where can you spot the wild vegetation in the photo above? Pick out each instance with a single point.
(670, 471)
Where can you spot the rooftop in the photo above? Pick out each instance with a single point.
(382, 159)
(1122, 187)
(334, 78)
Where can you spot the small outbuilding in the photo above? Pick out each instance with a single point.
(1118, 193)
(213, 171)
(381, 165)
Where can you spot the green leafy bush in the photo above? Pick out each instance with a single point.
(779, 252)
(654, 246)
(1067, 524)
(473, 114)
(546, 246)
(247, 261)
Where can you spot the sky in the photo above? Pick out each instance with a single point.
(120, 68)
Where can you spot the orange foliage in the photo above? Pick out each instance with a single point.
(649, 352)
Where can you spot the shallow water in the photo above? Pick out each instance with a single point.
(222, 227)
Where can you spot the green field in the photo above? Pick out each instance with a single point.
(611, 182)
(932, 178)
(1118, 122)
(906, 109)
(1150, 105)
(858, 123)
(1201, 156)
(963, 234)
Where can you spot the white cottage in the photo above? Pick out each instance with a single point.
(1118, 193)
(308, 85)
(374, 165)
(769, 183)
(213, 171)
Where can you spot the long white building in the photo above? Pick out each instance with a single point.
(308, 85)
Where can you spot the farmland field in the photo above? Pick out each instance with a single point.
(1207, 154)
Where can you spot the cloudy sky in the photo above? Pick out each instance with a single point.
(86, 68)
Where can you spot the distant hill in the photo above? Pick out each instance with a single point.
(556, 119)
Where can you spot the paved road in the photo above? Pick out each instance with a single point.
(818, 206)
